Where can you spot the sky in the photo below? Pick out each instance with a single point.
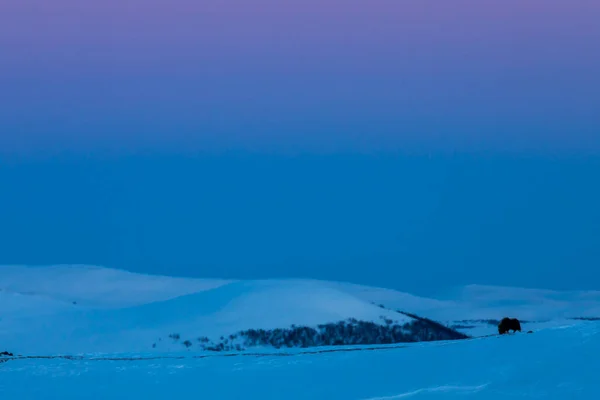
(373, 141)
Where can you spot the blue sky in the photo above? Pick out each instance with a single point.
(410, 222)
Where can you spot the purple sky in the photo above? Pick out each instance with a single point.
(310, 75)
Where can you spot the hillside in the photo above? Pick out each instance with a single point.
(98, 287)
(83, 309)
(476, 309)
(123, 312)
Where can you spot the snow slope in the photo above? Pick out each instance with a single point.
(554, 363)
(482, 302)
(220, 311)
(474, 307)
(83, 309)
(530, 304)
(98, 287)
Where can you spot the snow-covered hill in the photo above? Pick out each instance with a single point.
(476, 309)
(80, 309)
(98, 287)
(86, 309)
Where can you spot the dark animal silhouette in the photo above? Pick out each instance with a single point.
(509, 324)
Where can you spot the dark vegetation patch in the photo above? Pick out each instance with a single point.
(5, 356)
(344, 333)
(443, 332)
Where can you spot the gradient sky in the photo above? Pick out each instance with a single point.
(315, 75)
(374, 141)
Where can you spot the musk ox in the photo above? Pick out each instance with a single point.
(509, 324)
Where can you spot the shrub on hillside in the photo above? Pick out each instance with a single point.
(342, 333)
(351, 332)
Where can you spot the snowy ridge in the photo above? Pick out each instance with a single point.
(103, 320)
(98, 287)
(84, 310)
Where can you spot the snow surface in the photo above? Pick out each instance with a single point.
(83, 309)
(471, 306)
(554, 363)
(112, 317)
(96, 325)
(98, 287)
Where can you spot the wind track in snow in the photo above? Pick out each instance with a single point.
(439, 389)
(253, 354)
(148, 358)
